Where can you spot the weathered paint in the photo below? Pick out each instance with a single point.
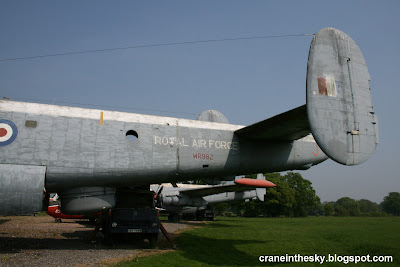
(343, 104)
(8, 132)
(21, 189)
(115, 116)
(326, 86)
(322, 86)
(79, 152)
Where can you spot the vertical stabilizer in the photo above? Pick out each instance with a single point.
(339, 105)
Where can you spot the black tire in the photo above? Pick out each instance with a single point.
(153, 238)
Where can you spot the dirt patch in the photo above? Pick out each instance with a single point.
(39, 241)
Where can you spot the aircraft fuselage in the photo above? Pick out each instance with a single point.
(88, 147)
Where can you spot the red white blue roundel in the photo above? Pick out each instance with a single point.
(8, 132)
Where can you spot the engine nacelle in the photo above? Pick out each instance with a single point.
(87, 200)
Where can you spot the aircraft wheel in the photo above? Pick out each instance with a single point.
(153, 238)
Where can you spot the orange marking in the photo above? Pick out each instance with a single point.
(317, 151)
(101, 118)
(254, 182)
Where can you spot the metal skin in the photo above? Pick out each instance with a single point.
(78, 152)
(338, 87)
(85, 155)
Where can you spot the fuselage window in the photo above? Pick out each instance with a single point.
(132, 135)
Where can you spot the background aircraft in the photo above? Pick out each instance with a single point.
(190, 198)
(89, 156)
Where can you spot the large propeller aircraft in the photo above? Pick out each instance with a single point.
(88, 156)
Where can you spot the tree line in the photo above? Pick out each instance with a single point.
(294, 196)
(346, 206)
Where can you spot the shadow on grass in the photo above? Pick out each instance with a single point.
(213, 251)
(223, 225)
(76, 241)
(18, 244)
(193, 223)
(4, 221)
(86, 223)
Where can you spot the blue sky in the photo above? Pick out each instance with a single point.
(248, 80)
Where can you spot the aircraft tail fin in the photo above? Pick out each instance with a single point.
(339, 111)
(339, 105)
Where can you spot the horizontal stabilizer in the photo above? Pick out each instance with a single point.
(288, 126)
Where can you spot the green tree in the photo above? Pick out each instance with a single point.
(221, 208)
(279, 200)
(252, 208)
(367, 206)
(346, 206)
(305, 196)
(292, 196)
(341, 211)
(328, 209)
(391, 203)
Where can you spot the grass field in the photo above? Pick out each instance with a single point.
(236, 241)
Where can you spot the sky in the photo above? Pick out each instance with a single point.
(247, 80)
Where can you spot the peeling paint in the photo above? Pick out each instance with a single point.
(327, 86)
(322, 90)
(331, 86)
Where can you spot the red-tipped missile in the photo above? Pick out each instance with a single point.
(255, 183)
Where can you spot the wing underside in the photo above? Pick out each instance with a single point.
(240, 185)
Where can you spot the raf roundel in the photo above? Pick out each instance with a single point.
(8, 132)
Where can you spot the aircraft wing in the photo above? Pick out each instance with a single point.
(287, 126)
(240, 185)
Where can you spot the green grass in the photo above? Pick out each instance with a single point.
(240, 241)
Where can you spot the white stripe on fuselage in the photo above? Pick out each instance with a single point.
(95, 114)
(76, 112)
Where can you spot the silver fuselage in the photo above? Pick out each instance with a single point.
(88, 147)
